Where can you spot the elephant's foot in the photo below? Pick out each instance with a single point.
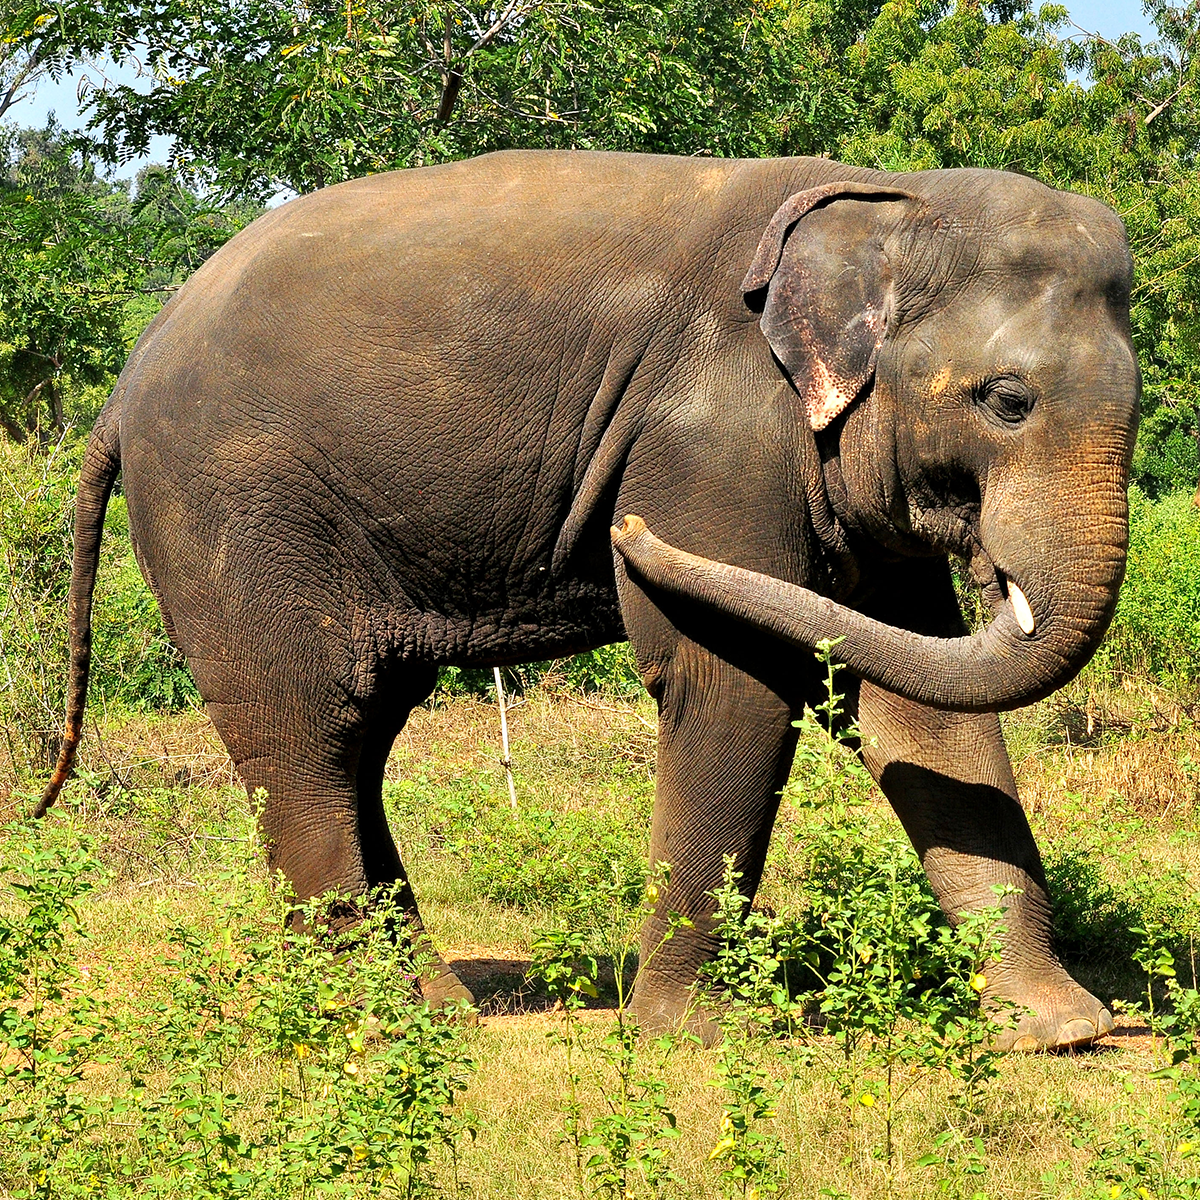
(1053, 1013)
(441, 988)
(662, 1011)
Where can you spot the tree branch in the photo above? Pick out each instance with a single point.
(32, 394)
(1161, 108)
(13, 430)
(452, 73)
(23, 76)
(451, 78)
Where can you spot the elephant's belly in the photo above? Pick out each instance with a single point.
(536, 629)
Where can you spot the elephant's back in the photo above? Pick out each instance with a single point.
(429, 245)
(514, 214)
(449, 313)
(441, 267)
(467, 265)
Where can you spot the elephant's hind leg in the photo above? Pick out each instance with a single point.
(381, 859)
(318, 756)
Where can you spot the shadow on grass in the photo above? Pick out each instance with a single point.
(502, 986)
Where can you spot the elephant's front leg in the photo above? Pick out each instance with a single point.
(725, 745)
(949, 779)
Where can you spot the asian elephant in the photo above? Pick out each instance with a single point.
(388, 427)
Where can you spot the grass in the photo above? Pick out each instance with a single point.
(170, 827)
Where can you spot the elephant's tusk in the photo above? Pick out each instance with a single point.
(1021, 609)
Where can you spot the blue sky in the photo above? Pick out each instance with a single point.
(1110, 18)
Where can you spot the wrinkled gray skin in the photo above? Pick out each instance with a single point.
(388, 426)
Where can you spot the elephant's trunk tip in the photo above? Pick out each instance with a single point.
(631, 526)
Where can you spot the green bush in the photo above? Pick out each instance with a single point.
(1167, 456)
(36, 501)
(608, 670)
(543, 859)
(362, 1079)
(1104, 891)
(1156, 629)
(134, 665)
(533, 859)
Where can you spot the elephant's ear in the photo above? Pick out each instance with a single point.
(829, 291)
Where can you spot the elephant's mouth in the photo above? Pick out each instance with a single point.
(951, 527)
(955, 530)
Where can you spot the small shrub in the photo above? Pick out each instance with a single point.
(625, 1150)
(565, 861)
(1156, 1149)
(362, 1078)
(52, 1026)
(1093, 919)
(533, 859)
(754, 948)
(870, 958)
(1103, 891)
(608, 670)
(36, 504)
(1156, 629)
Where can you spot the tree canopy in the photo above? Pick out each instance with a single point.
(84, 263)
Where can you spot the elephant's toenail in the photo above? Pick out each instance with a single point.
(1079, 1032)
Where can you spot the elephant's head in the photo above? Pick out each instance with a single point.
(961, 346)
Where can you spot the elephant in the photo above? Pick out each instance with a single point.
(389, 426)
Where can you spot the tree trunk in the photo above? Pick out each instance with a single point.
(13, 430)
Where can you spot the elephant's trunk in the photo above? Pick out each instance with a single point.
(1014, 661)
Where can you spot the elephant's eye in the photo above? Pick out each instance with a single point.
(1007, 399)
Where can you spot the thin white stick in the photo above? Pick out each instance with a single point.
(506, 761)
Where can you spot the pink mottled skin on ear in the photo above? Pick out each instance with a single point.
(826, 396)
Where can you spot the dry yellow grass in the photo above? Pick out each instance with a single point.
(1027, 1125)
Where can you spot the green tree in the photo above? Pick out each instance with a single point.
(65, 272)
(1150, 97)
(83, 266)
(267, 94)
(992, 85)
(25, 59)
(263, 95)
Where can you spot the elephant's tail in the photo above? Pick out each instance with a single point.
(101, 464)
